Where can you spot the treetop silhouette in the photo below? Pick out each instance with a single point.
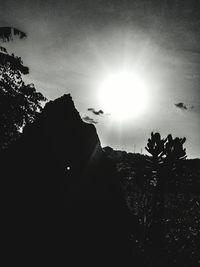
(168, 149)
(19, 102)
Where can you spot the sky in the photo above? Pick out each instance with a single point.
(71, 46)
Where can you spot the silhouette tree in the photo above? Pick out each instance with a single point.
(165, 161)
(19, 102)
(155, 185)
(166, 156)
(175, 154)
(174, 150)
(155, 147)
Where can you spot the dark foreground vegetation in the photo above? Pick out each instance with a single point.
(68, 201)
(180, 210)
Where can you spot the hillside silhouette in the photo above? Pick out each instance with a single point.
(169, 218)
(63, 196)
(68, 200)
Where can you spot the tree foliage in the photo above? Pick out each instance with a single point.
(19, 102)
(166, 156)
(174, 150)
(156, 147)
(166, 150)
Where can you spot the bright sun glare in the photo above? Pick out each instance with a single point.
(123, 95)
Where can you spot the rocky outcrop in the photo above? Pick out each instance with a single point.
(63, 195)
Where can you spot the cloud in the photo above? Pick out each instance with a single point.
(183, 106)
(96, 112)
(89, 120)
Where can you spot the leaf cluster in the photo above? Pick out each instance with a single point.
(166, 150)
(19, 102)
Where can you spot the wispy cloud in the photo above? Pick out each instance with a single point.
(89, 120)
(183, 106)
(96, 112)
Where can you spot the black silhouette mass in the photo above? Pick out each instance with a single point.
(71, 194)
(63, 188)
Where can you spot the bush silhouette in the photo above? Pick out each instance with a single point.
(166, 155)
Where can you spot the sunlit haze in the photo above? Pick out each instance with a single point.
(124, 95)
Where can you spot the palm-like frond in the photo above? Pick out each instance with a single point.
(7, 33)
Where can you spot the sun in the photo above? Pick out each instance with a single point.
(123, 95)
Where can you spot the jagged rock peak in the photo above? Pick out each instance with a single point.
(62, 106)
(66, 98)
